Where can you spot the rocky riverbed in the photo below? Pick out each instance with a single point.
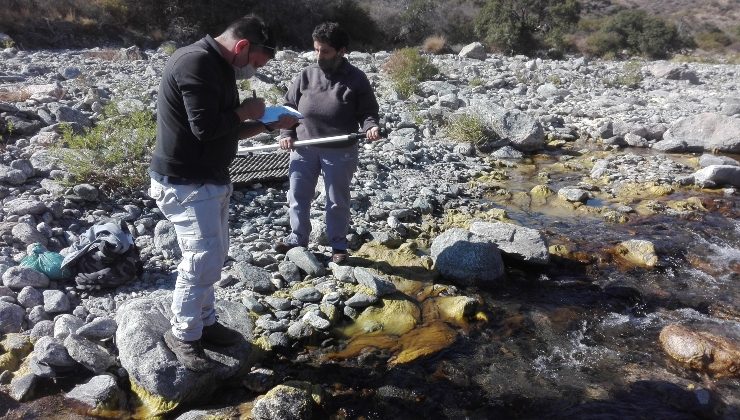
(583, 257)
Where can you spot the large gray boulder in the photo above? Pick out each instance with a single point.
(703, 132)
(151, 365)
(717, 176)
(518, 242)
(466, 258)
(475, 50)
(100, 392)
(520, 130)
(672, 71)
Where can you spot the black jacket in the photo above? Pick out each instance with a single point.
(197, 128)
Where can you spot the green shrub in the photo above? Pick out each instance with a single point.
(114, 153)
(602, 43)
(466, 128)
(630, 77)
(476, 81)
(523, 26)
(407, 68)
(636, 32)
(712, 40)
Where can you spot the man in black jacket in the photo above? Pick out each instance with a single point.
(199, 123)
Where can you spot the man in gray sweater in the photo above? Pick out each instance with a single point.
(335, 99)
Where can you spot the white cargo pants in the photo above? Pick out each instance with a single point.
(200, 213)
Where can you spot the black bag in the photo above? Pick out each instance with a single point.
(104, 256)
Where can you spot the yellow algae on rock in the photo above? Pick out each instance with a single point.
(150, 406)
(638, 252)
(406, 266)
(493, 177)
(642, 191)
(423, 341)
(9, 362)
(316, 391)
(357, 344)
(18, 344)
(395, 316)
(540, 193)
(431, 291)
(455, 218)
(690, 205)
(455, 310)
(14, 348)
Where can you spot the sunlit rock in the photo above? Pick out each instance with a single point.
(466, 258)
(286, 401)
(702, 351)
(638, 252)
(154, 369)
(518, 242)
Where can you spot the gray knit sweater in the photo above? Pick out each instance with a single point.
(332, 104)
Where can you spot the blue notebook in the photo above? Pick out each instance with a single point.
(273, 113)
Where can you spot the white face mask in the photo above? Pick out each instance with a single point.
(246, 72)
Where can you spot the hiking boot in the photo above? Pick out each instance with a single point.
(339, 257)
(189, 353)
(283, 247)
(220, 335)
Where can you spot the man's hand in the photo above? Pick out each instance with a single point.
(251, 109)
(286, 143)
(372, 133)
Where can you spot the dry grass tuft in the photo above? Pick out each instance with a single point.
(435, 44)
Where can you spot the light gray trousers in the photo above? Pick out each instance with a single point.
(338, 166)
(200, 213)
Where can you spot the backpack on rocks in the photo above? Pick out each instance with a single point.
(105, 255)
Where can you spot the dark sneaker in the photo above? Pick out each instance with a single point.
(220, 335)
(283, 247)
(339, 257)
(189, 353)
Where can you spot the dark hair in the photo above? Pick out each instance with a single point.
(255, 30)
(330, 33)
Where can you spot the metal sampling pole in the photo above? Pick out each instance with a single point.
(299, 143)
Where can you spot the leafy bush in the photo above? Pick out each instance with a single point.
(523, 26)
(603, 43)
(466, 128)
(714, 39)
(630, 77)
(637, 33)
(407, 68)
(113, 154)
